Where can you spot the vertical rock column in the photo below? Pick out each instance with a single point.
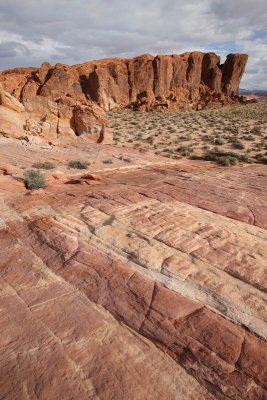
(232, 72)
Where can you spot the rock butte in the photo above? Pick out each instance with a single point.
(64, 101)
(146, 282)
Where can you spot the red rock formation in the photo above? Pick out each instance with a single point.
(174, 82)
(233, 70)
(47, 119)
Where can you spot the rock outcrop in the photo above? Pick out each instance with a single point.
(39, 116)
(174, 82)
(12, 115)
(56, 102)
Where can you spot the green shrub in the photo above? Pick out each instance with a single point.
(219, 141)
(225, 158)
(238, 145)
(248, 137)
(244, 158)
(227, 161)
(34, 179)
(44, 165)
(185, 151)
(150, 139)
(79, 164)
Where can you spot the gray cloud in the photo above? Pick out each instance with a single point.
(73, 31)
(7, 50)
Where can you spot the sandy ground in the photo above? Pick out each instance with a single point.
(240, 131)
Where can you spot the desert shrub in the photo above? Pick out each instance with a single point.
(238, 145)
(34, 179)
(108, 161)
(227, 161)
(259, 145)
(150, 139)
(207, 138)
(77, 164)
(185, 150)
(225, 158)
(244, 158)
(195, 157)
(43, 165)
(219, 141)
(248, 137)
(256, 130)
(233, 139)
(126, 159)
(261, 158)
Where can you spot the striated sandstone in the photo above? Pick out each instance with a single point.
(146, 283)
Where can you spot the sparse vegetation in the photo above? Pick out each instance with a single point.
(192, 134)
(43, 165)
(238, 145)
(34, 179)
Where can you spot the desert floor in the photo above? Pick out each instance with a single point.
(228, 136)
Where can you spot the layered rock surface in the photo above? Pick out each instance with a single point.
(135, 283)
(175, 82)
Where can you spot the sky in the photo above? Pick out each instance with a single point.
(74, 31)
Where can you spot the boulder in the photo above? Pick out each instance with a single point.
(89, 121)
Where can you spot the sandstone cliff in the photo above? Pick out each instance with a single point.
(42, 117)
(174, 82)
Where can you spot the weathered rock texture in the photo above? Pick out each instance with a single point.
(47, 119)
(141, 284)
(174, 82)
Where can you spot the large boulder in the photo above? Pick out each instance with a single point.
(90, 121)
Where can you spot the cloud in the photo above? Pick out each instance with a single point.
(73, 31)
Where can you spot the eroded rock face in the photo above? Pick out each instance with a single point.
(12, 117)
(39, 116)
(173, 82)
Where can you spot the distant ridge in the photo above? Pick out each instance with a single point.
(255, 92)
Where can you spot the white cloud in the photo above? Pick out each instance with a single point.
(73, 31)
(256, 70)
(21, 48)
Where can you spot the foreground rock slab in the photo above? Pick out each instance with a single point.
(139, 283)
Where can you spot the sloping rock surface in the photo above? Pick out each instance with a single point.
(135, 283)
(166, 82)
